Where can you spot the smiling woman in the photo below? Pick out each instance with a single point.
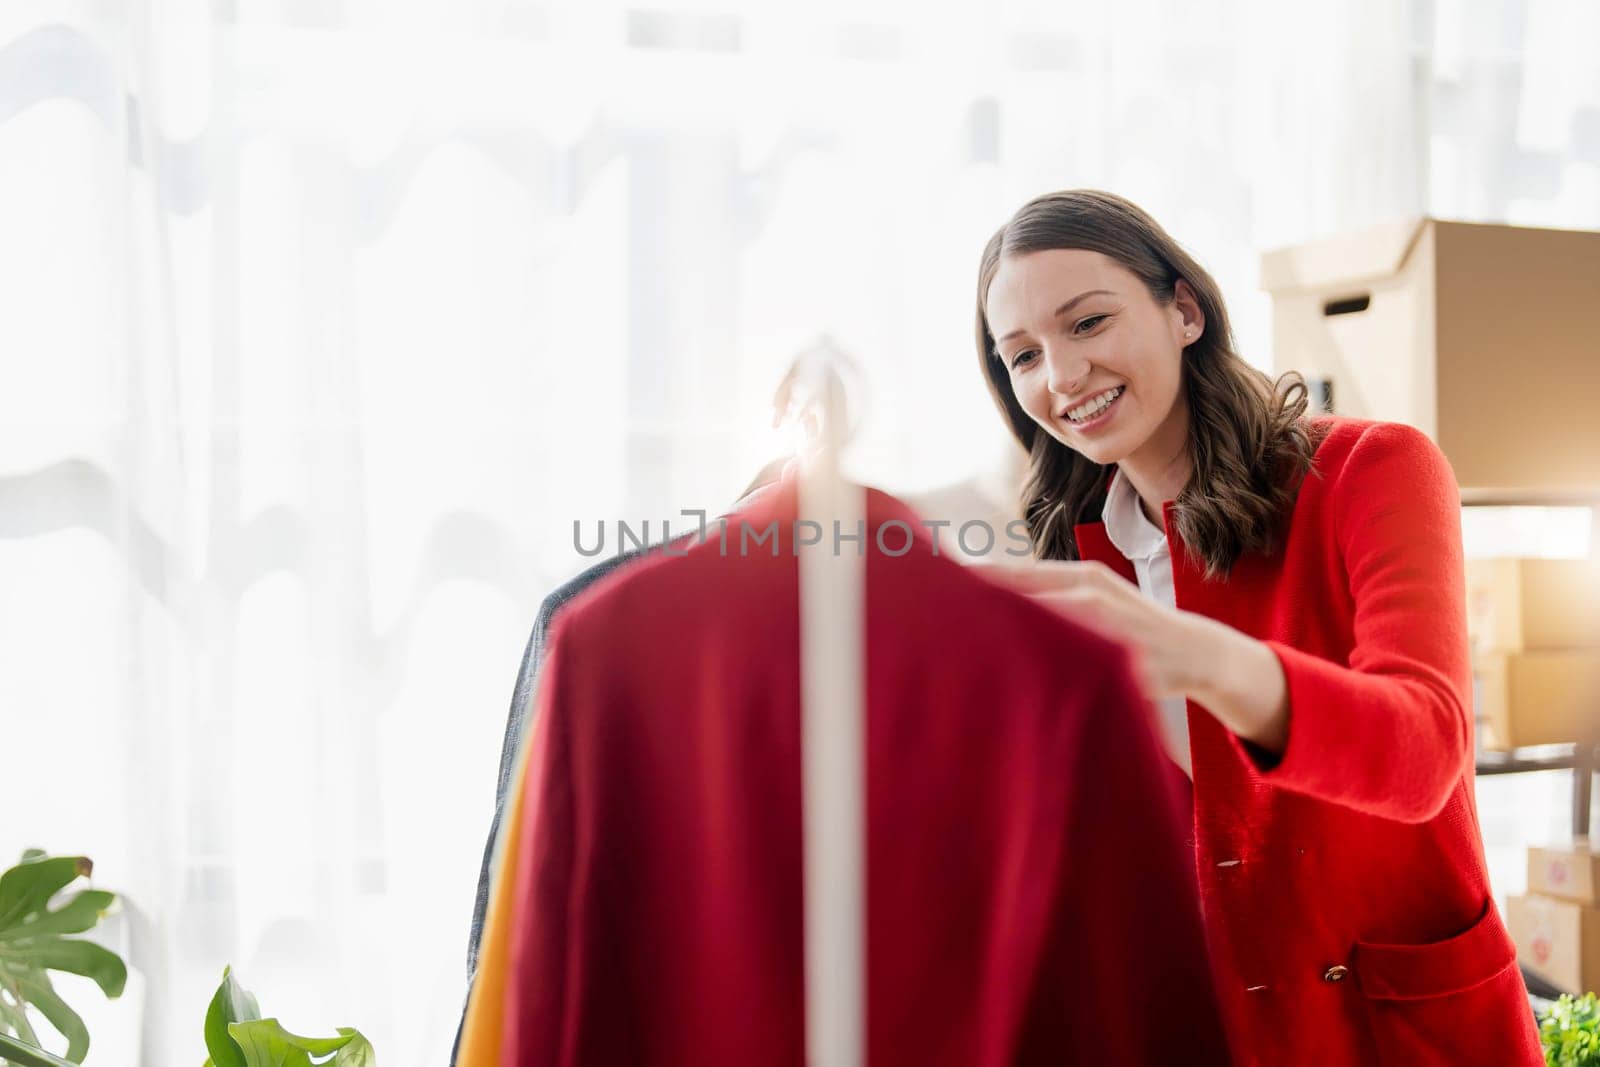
(1305, 637)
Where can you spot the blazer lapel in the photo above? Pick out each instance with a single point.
(1094, 544)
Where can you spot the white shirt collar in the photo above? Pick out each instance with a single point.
(1133, 534)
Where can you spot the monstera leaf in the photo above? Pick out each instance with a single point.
(19, 1054)
(237, 1036)
(34, 942)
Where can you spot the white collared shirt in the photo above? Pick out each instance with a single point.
(1145, 545)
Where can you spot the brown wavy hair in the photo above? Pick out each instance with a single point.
(1249, 440)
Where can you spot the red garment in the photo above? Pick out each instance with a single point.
(1360, 848)
(1030, 898)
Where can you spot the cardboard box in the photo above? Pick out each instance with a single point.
(1536, 698)
(1526, 604)
(1557, 939)
(1484, 337)
(1570, 872)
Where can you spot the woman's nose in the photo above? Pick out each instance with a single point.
(1066, 371)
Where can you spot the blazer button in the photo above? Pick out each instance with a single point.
(1336, 973)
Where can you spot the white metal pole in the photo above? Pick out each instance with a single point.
(832, 603)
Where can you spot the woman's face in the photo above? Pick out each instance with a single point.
(1093, 358)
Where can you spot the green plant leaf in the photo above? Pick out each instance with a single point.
(74, 957)
(268, 1044)
(28, 887)
(13, 1011)
(1569, 1030)
(232, 1004)
(38, 991)
(80, 913)
(21, 1054)
(32, 944)
(358, 1053)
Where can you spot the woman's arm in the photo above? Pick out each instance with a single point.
(1390, 733)
(1240, 681)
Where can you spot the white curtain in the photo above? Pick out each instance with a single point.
(321, 321)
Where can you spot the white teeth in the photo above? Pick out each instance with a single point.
(1095, 406)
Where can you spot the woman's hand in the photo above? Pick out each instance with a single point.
(1162, 639)
(1175, 653)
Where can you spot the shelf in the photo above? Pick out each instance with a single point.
(1580, 759)
(1530, 498)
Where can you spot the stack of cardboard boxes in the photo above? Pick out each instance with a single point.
(1535, 631)
(1556, 925)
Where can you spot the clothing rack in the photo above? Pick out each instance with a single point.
(832, 731)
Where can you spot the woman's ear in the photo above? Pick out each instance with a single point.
(1192, 320)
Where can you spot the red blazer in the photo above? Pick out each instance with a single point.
(1030, 897)
(1344, 887)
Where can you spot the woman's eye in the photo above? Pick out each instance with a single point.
(1091, 322)
(1021, 359)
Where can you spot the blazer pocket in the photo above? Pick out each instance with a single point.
(1456, 1001)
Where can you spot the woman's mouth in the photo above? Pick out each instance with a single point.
(1096, 411)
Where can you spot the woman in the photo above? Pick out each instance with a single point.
(1302, 626)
